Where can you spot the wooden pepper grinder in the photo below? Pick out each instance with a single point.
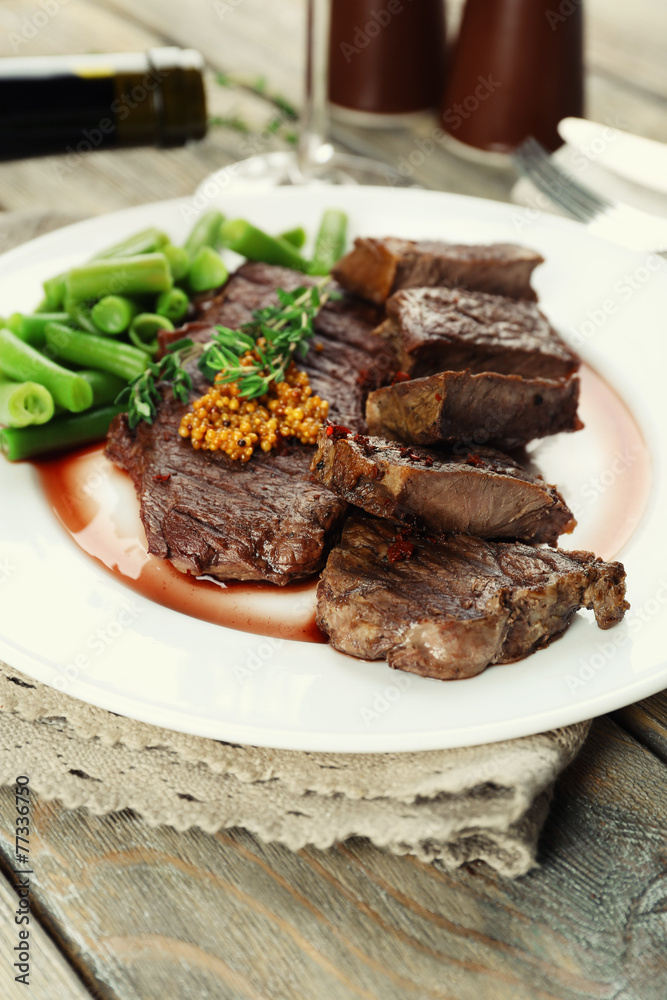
(386, 59)
(517, 69)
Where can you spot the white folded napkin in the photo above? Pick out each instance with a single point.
(589, 171)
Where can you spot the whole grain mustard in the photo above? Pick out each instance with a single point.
(222, 420)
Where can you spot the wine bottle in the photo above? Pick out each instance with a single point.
(75, 104)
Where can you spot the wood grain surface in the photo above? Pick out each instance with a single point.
(51, 976)
(151, 913)
(126, 912)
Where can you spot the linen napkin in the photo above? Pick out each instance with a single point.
(477, 803)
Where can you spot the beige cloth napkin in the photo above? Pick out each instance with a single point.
(454, 806)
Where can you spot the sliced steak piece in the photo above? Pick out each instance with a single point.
(376, 268)
(486, 494)
(506, 411)
(442, 329)
(264, 520)
(449, 607)
(345, 361)
(210, 515)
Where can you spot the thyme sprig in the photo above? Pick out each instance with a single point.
(142, 395)
(284, 330)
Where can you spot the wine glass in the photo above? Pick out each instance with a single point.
(314, 160)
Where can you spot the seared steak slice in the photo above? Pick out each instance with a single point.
(442, 329)
(507, 411)
(264, 520)
(485, 494)
(345, 360)
(376, 268)
(210, 515)
(449, 607)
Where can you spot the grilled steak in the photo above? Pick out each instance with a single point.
(376, 268)
(506, 411)
(485, 494)
(448, 608)
(264, 520)
(442, 329)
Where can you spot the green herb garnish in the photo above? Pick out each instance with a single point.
(142, 396)
(286, 329)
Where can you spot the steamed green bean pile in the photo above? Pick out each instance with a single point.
(63, 366)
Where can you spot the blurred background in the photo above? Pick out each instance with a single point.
(259, 46)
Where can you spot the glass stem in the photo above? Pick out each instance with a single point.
(313, 149)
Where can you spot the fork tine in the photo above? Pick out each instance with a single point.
(545, 185)
(617, 221)
(582, 203)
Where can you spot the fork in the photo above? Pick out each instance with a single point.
(612, 220)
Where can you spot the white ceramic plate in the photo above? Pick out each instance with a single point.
(66, 621)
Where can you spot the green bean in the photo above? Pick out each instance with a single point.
(250, 242)
(119, 275)
(23, 403)
(172, 304)
(178, 259)
(80, 314)
(113, 314)
(24, 364)
(144, 330)
(205, 233)
(330, 241)
(30, 328)
(147, 241)
(207, 270)
(91, 351)
(54, 292)
(105, 386)
(297, 237)
(65, 432)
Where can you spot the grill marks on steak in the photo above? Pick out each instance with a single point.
(485, 494)
(266, 519)
(433, 330)
(506, 411)
(456, 604)
(376, 268)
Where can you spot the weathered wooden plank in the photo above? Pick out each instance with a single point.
(156, 912)
(103, 181)
(50, 974)
(647, 721)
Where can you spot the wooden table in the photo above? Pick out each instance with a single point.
(126, 912)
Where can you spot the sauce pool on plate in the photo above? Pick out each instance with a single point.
(604, 473)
